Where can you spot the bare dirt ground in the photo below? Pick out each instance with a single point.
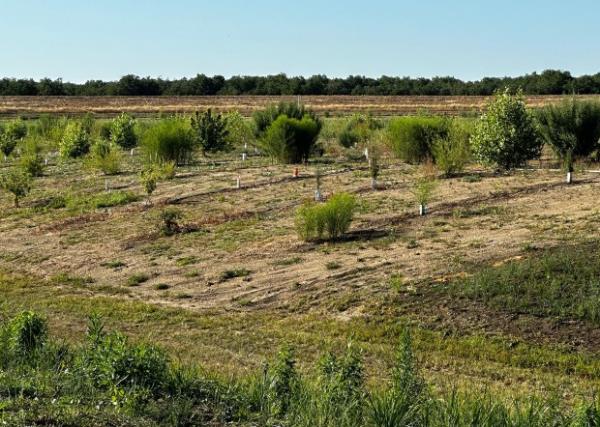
(334, 105)
(251, 230)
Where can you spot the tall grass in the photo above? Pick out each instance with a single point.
(108, 380)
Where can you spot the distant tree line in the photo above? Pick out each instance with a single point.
(549, 82)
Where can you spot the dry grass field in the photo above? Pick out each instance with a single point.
(333, 105)
(238, 282)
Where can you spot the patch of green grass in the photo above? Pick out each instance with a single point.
(396, 282)
(288, 261)
(161, 286)
(472, 178)
(137, 279)
(233, 273)
(191, 274)
(333, 265)
(101, 200)
(555, 282)
(188, 260)
(67, 279)
(114, 264)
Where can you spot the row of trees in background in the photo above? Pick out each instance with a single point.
(549, 82)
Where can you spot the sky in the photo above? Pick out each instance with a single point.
(79, 40)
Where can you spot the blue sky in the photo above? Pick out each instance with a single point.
(79, 40)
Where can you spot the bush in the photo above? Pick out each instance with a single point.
(169, 140)
(571, 128)
(506, 134)
(169, 221)
(358, 130)
(412, 138)
(106, 157)
(32, 164)
(290, 140)
(331, 219)
(31, 161)
(239, 132)
(28, 332)
(263, 119)
(75, 141)
(110, 361)
(10, 135)
(16, 182)
(452, 153)
(122, 131)
(210, 131)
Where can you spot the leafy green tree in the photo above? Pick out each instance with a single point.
(122, 131)
(16, 182)
(211, 131)
(10, 135)
(506, 134)
(240, 133)
(572, 129)
(75, 142)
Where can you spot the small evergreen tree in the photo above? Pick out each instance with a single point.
(211, 131)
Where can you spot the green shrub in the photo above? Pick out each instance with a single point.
(506, 134)
(16, 182)
(263, 119)
(291, 140)
(211, 131)
(106, 157)
(452, 153)
(412, 138)
(239, 131)
(10, 135)
(28, 333)
(75, 141)
(110, 361)
(169, 221)
(571, 128)
(32, 164)
(314, 221)
(122, 131)
(168, 140)
(423, 189)
(358, 130)
(31, 161)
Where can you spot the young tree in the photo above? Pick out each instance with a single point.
(211, 131)
(506, 134)
(16, 182)
(10, 135)
(572, 129)
(149, 178)
(122, 131)
(76, 141)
